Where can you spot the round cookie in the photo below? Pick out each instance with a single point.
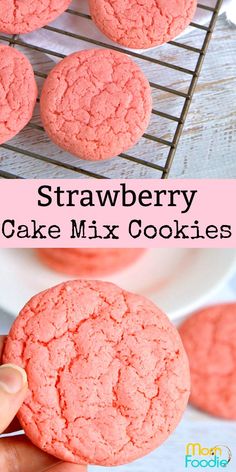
(17, 16)
(89, 262)
(96, 104)
(108, 376)
(18, 92)
(209, 337)
(144, 24)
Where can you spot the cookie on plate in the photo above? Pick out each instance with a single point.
(89, 262)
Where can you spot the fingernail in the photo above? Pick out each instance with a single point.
(12, 378)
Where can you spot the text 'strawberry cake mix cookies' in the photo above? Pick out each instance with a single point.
(89, 262)
(18, 92)
(209, 337)
(108, 375)
(24, 16)
(96, 104)
(144, 24)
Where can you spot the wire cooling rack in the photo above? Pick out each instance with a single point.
(157, 147)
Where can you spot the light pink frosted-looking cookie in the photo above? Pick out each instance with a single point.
(209, 337)
(23, 16)
(142, 24)
(108, 375)
(96, 104)
(89, 262)
(18, 92)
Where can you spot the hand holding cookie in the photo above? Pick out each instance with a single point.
(17, 452)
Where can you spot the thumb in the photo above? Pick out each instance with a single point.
(13, 388)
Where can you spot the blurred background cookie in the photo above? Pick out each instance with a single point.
(88, 262)
(209, 337)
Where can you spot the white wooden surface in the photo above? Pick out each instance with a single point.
(208, 145)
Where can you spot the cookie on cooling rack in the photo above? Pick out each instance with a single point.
(17, 17)
(89, 262)
(18, 92)
(142, 25)
(108, 376)
(96, 104)
(209, 337)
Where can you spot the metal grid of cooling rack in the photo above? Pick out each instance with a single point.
(162, 171)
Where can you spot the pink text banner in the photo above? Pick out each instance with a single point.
(116, 213)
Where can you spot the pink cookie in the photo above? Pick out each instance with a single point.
(18, 92)
(142, 24)
(209, 337)
(96, 104)
(108, 375)
(23, 16)
(89, 262)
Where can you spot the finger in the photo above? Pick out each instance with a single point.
(2, 342)
(21, 455)
(15, 425)
(65, 467)
(13, 389)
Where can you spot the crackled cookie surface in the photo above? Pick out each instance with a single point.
(96, 104)
(18, 92)
(89, 262)
(108, 375)
(142, 24)
(209, 337)
(23, 16)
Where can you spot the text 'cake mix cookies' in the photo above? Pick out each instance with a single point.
(108, 375)
(142, 24)
(89, 262)
(96, 104)
(209, 337)
(24, 16)
(18, 92)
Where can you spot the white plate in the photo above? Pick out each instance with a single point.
(177, 280)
